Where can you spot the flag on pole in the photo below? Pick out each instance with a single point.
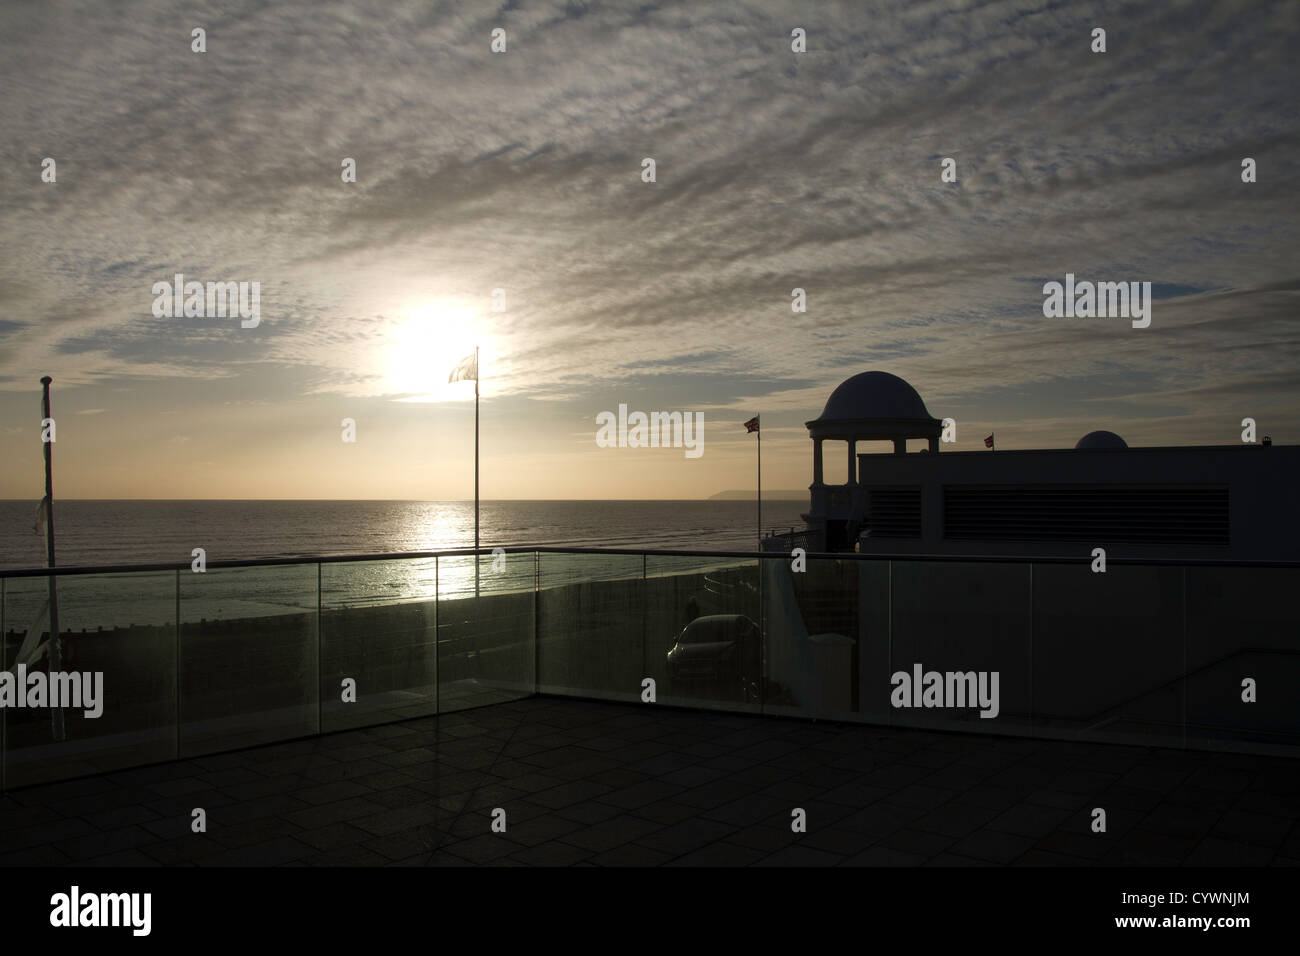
(466, 370)
(752, 426)
(988, 442)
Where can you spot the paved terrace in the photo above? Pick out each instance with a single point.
(617, 784)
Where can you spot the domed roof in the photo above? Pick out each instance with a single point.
(874, 395)
(1100, 439)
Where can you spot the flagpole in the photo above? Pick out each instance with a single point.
(477, 375)
(56, 645)
(760, 485)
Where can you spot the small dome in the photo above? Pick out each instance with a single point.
(874, 395)
(1099, 440)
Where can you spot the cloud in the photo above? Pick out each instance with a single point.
(775, 171)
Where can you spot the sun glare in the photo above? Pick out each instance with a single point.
(424, 348)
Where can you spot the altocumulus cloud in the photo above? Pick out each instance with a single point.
(775, 170)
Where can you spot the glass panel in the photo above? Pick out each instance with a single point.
(379, 629)
(960, 647)
(249, 666)
(590, 629)
(1241, 624)
(827, 636)
(118, 659)
(703, 643)
(1108, 653)
(486, 648)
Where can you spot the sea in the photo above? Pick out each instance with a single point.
(99, 533)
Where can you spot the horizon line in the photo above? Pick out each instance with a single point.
(439, 500)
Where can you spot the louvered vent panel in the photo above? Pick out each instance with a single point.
(895, 511)
(1133, 514)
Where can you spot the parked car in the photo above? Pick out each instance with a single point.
(716, 647)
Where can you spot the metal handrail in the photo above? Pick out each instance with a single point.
(1082, 557)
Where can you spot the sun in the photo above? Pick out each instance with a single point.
(424, 347)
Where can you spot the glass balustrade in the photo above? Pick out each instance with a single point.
(171, 663)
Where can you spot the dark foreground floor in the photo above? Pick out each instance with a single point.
(609, 784)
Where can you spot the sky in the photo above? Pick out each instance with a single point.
(522, 171)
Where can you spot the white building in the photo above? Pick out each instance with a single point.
(1226, 502)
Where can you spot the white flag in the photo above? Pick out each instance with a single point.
(466, 370)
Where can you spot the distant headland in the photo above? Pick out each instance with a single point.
(800, 494)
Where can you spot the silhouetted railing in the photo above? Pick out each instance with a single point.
(1193, 654)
